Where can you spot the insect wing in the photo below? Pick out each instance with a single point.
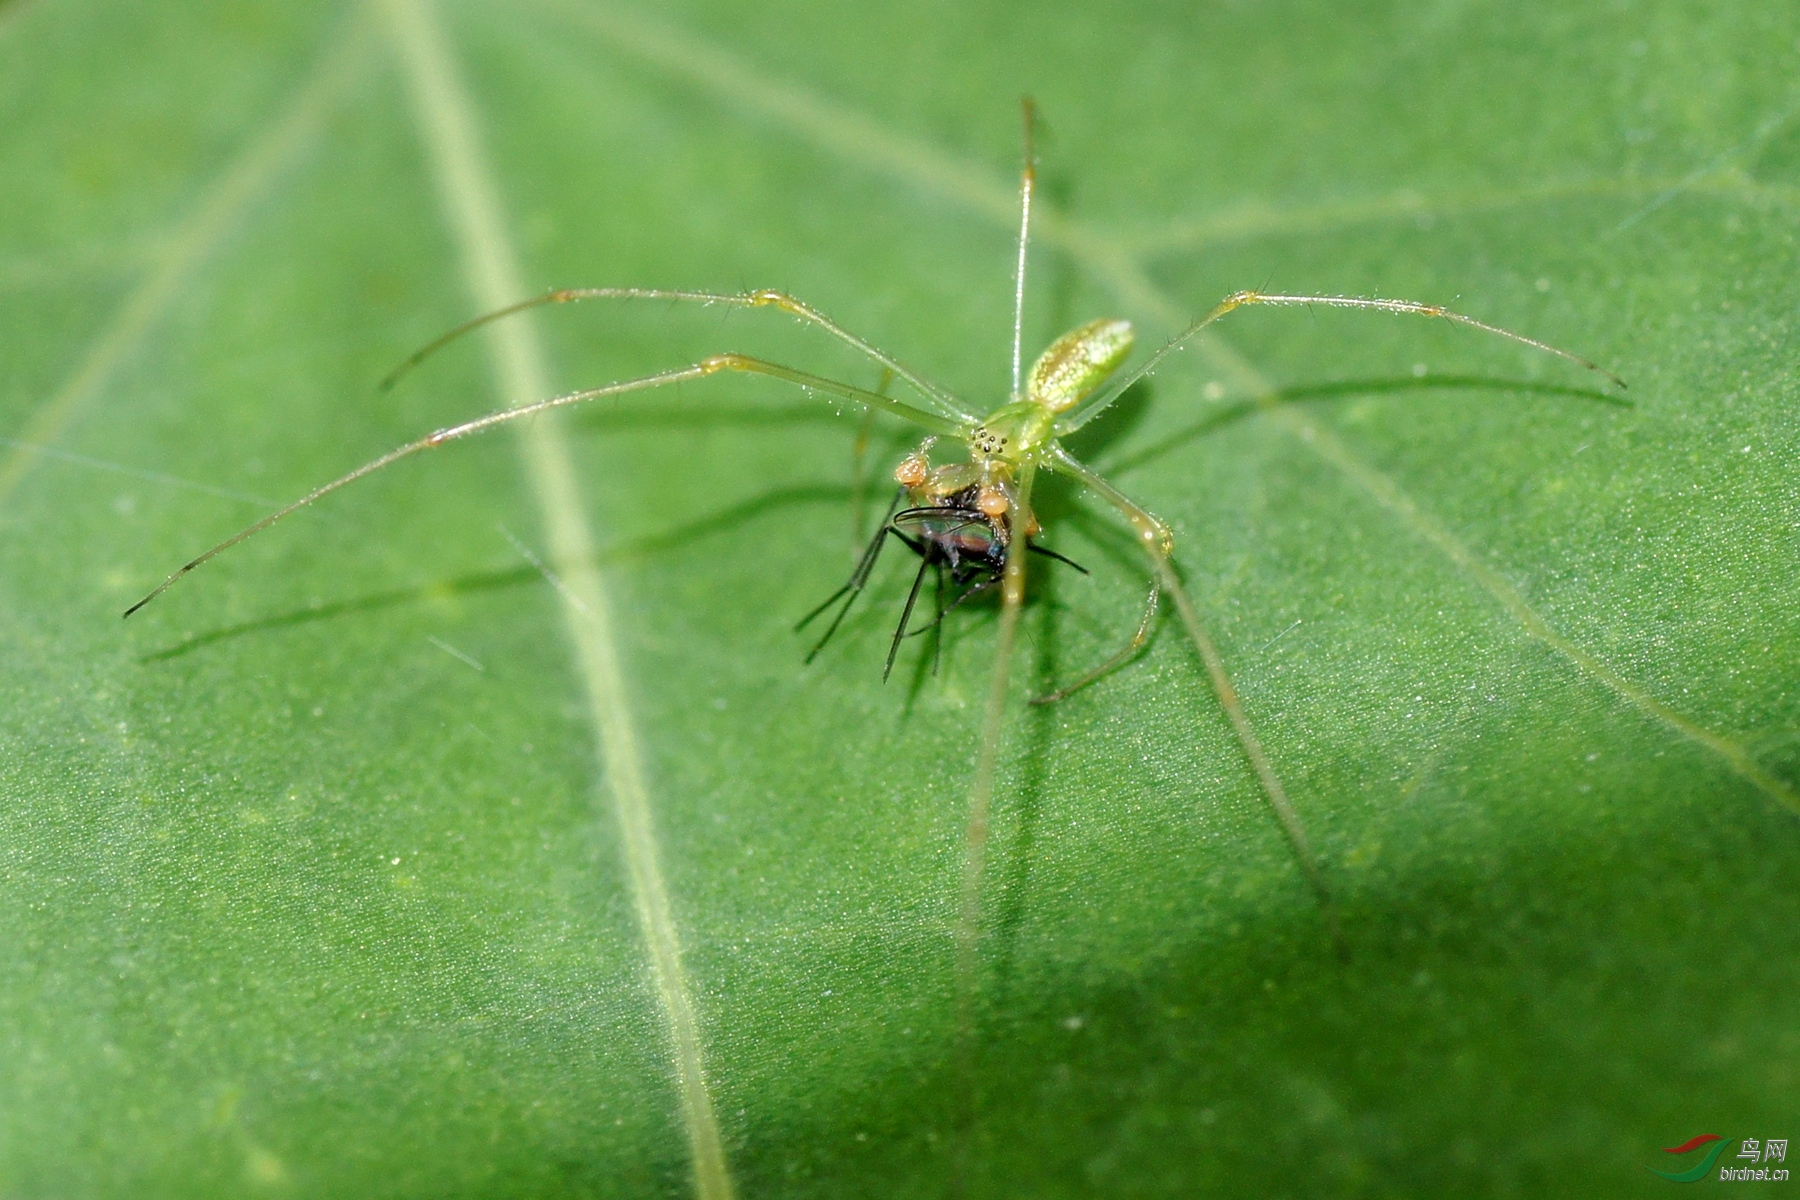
(951, 535)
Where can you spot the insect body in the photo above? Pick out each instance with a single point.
(965, 532)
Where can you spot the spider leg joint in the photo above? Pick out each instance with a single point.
(763, 296)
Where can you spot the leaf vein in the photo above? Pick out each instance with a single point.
(210, 223)
(473, 209)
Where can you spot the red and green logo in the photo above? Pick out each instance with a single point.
(1698, 1171)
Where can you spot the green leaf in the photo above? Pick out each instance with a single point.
(320, 876)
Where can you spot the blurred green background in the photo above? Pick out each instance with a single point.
(310, 882)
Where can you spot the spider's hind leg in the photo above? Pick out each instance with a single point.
(1139, 637)
(1157, 543)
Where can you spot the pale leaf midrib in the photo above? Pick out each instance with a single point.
(474, 212)
(214, 218)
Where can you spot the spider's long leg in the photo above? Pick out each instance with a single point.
(699, 370)
(1027, 185)
(1139, 638)
(1239, 300)
(940, 425)
(761, 298)
(859, 472)
(1158, 545)
(859, 578)
(912, 598)
(981, 792)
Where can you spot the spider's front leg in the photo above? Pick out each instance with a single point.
(816, 384)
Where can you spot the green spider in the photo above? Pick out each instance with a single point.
(966, 515)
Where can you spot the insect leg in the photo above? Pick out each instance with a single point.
(1048, 553)
(968, 593)
(1158, 546)
(937, 622)
(912, 598)
(858, 579)
(1239, 300)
